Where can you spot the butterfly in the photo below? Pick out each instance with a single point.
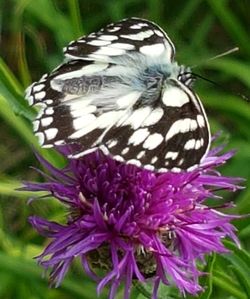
(121, 91)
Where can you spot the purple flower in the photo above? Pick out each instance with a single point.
(135, 224)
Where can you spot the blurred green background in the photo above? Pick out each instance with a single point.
(33, 34)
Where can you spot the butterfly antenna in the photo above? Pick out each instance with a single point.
(213, 82)
(194, 75)
(217, 56)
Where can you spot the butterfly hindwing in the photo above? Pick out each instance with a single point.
(172, 133)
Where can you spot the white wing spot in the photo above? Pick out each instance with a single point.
(180, 162)
(114, 29)
(149, 167)
(154, 159)
(36, 124)
(197, 144)
(143, 24)
(46, 121)
(40, 95)
(190, 144)
(83, 121)
(59, 142)
(193, 125)
(138, 136)
(125, 150)
(40, 137)
(123, 46)
(134, 162)
(49, 102)
(176, 169)
(108, 118)
(159, 33)
(49, 111)
(152, 50)
(111, 143)
(139, 36)
(51, 133)
(108, 37)
(99, 42)
(201, 121)
(174, 97)
(136, 26)
(30, 100)
(140, 155)
(38, 87)
(162, 169)
(181, 126)
(118, 158)
(153, 117)
(153, 141)
(171, 155)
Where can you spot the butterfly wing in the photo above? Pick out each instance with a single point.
(110, 94)
(121, 39)
(75, 107)
(78, 103)
(171, 133)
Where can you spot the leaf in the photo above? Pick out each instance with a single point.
(11, 90)
(207, 283)
(231, 23)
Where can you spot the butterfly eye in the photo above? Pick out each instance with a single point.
(185, 76)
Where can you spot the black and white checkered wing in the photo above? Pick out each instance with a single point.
(121, 91)
(123, 39)
(78, 101)
(172, 133)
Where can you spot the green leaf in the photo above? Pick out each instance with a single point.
(207, 281)
(243, 280)
(27, 270)
(12, 91)
(226, 283)
(232, 67)
(231, 23)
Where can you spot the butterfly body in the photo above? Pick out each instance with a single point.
(122, 92)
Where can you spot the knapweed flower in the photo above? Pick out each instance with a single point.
(134, 224)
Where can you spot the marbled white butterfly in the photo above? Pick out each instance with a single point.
(122, 92)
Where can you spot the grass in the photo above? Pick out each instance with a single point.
(33, 34)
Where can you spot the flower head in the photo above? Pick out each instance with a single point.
(133, 223)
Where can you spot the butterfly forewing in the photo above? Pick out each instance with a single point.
(122, 92)
(121, 39)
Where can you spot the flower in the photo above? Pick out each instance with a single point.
(133, 223)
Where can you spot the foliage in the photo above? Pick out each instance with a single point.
(32, 36)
